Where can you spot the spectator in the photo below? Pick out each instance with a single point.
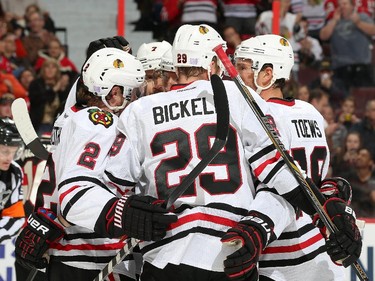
(347, 115)
(319, 99)
(343, 160)
(366, 127)
(26, 77)
(56, 51)
(5, 105)
(362, 179)
(197, 12)
(15, 9)
(350, 34)
(333, 87)
(308, 48)
(38, 37)
(5, 65)
(241, 15)
(48, 22)
(10, 52)
(313, 12)
(287, 21)
(303, 93)
(10, 84)
(47, 95)
(335, 131)
(232, 37)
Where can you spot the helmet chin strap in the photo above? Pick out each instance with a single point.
(260, 88)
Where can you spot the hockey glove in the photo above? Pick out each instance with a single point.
(337, 188)
(344, 246)
(252, 233)
(35, 239)
(137, 216)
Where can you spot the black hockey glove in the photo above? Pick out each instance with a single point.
(337, 187)
(140, 217)
(344, 246)
(252, 233)
(118, 42)
(35, 239)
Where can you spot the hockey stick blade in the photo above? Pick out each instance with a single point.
(25, 128)
(272, 134)
(222, 129)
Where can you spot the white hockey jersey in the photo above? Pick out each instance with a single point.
(82, 139)
(166, 136)
(300, 249)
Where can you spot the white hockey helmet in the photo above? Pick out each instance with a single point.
(193, 44)
(150, 54)
(109, 67)
(166, 62)
(268, 49)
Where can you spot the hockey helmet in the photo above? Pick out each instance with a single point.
(268, 49)
(150, 54)
(166, 62)
(111, 67)
(9, 135)
(193, 44)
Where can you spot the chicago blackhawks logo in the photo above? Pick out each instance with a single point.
(117, 63)
(203, 29)
(98, 116)
(284, 42)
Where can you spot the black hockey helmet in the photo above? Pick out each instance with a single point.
(8, 133)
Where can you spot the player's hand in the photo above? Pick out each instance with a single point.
(252, 234)
(336, 187)
(118, 42)
(344, 246)
(141, 217)
(35, 239)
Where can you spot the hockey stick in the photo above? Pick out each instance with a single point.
(222, 128)
(24, 126)
(272, 134)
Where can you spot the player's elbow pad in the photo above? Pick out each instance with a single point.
(298, 198)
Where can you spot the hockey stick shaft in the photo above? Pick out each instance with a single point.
(272, 134)
(25, 128)
(222, 129)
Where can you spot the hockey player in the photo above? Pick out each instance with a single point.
(82, 146)
(164, 136)
(150, 55)
(264, 64)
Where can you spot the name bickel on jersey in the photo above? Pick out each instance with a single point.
(181, 109)
(307, 128)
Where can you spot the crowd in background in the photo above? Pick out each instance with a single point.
(332, 41)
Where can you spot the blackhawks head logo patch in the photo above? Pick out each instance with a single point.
(203, 29)
(100, 117)
(284, 42)
(117, 63)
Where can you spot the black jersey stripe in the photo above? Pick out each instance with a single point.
(274, 171)
(118, 180)
(261, 153)
(182, 234)
(292, 262)
(85, 179)
(73, 200)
